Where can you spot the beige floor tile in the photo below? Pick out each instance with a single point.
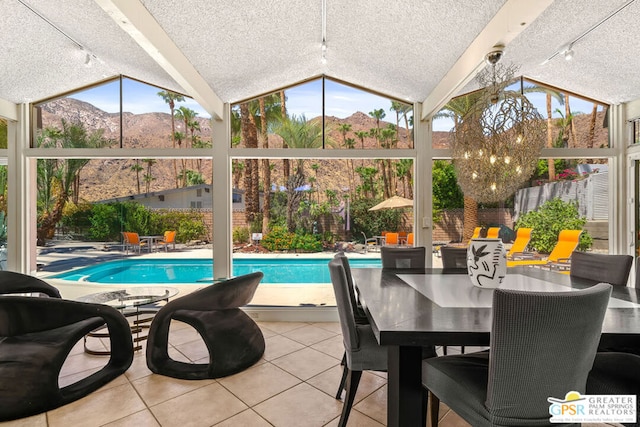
(98, 408)
(202, 407)
(451, 419)
(246, 418)
(329, 380)
(155, 389)
(193, 350)
(300, 406)
(81, 362)
(329, 326)
(281, 327)
(138, 368)
(332, 346)
(267, 333)
(259, 383)
(306, 363)
(139, 419)
(357, 419)
(183, 335)
(375, 405)
(309, 335)
(39, 420)
(278, 346)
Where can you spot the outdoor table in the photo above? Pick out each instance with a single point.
(408, 310)
(130, 301)
(151, 241)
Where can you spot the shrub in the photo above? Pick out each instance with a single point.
(549, 219)
(306, 243)
(278, 239)
(240, 235)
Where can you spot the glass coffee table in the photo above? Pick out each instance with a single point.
(133, 302)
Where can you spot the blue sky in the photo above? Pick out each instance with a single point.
(341, 101)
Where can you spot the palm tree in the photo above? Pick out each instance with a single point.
(378, 114)
(58, 179)
(137, 168)
(171, 98)
(148, 177)
(188, 117)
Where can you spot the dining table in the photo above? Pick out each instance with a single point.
(408, 309)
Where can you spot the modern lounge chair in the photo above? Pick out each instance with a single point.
(476, 232)
(567, 242)
(36, 336)
(403, 258)
(168, 239)
(535, 353)
(370, 243)
(612, 269)
(132, 241)
(17, 283)
(519, 246)
(233, 339)
(493, 233)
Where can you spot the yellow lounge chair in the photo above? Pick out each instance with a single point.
(476, 233)
(493, 233)
(567, 242)
(523, 236)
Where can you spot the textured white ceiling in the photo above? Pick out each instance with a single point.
(243, 48)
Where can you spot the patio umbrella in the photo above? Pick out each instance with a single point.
(394, 202)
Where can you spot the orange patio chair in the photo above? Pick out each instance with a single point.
(392, 239)
(410, 239)
(132, 241)
(560, 255)
(168, 239)
(523, 237)
(493, 233)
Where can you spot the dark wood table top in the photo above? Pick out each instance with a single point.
(402, 314)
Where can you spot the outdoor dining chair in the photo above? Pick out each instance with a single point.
(535, 353)
(169, 238)
(453, 257)
(132, 241)
(391, 239)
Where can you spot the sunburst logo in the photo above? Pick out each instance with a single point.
(578, 408)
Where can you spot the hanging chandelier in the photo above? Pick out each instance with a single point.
(496, 144)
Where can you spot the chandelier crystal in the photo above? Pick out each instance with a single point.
(497, 143)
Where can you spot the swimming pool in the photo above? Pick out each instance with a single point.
(166, 271)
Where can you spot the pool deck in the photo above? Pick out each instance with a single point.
(67, 255)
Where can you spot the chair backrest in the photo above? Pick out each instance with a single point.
(453, 257)
(493, 232)
(410, 239)
(391, 239)
(638, 272)
(523, 237)
(401, 258)
(613, 269)
(131, 237)
(350, 287)
(345, 310)
(169, 236)
(542, 345)
(476, 232)
(17, 283)
(567, 242)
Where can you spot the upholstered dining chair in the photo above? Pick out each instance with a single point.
(233, 339)
(36, 336)
(361, 348)
(401, 258)
(453, 257)
(613, 269)
(535, 353)
(615, 373)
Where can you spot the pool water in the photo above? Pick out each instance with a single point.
(159, 271)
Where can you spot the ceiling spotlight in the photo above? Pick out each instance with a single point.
(568, 54)
(493, 57)
(87, 60)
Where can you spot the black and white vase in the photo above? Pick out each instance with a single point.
(486, 262)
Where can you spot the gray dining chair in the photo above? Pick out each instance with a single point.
(403, 258)
(542, 345)
(613, 269)
(453, 257)
(615, 373)
(362, 352)
(358, 310)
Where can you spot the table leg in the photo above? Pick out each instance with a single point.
(404, 389)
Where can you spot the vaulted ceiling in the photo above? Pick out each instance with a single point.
(225, 51)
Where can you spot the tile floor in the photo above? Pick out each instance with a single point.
(292, 385)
